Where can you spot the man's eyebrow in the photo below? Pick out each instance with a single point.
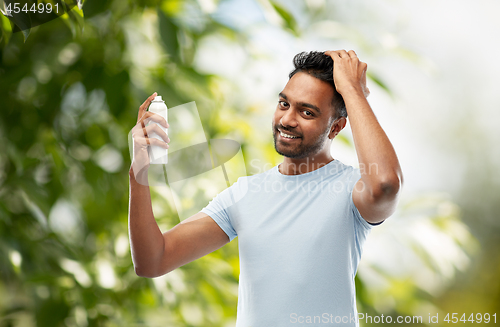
(302, 104)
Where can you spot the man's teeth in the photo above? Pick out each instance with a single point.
(288, 136)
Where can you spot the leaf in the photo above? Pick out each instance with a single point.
(76, 15)
(74, 19)
(92, 8)
(79, 3)
(21, 19)
(290, 21)
(3, 8)
(379, 82)
(6, 29)
(168, 34)
(342, 138)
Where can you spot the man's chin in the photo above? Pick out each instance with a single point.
(288, 154)
(287, 150)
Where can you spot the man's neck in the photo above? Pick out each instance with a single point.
(291, 166)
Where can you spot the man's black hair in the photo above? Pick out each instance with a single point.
(319, 65)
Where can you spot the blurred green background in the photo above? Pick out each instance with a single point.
(69, 95)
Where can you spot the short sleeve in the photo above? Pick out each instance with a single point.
(219, 210)
(354, 176)
(357, 216)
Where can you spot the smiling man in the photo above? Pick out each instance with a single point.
(301, 225)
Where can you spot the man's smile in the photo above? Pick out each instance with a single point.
(287, 136)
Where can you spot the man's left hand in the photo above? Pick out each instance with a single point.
(349, 73)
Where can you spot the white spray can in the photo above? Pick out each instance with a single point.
(157, 154)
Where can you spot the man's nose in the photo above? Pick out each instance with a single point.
(289, 118)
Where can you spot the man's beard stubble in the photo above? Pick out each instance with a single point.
(299, 150)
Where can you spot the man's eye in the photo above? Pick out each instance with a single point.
(283, 103)
(307, 113)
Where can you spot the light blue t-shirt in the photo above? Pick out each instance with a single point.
(300, 242)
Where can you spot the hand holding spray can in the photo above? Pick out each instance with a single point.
(157, 154)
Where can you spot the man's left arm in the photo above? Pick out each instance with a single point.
(376, 193)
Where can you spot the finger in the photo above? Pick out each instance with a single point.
(144, 106)
(159, 143)
(363, 81)
(143, 121)
(332, 54)
(352, 54)
(150, 131)
(343, 54)
(152, 141)
(146, 103)
(151, 116)
(160, 132)
(362, 67)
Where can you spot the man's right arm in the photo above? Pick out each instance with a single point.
(155, 254)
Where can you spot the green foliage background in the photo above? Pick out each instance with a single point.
(47, 153)
(69, 94)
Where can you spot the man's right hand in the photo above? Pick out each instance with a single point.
(142, 140)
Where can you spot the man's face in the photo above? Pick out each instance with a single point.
(304, 112)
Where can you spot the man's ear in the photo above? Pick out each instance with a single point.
(337, 125)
